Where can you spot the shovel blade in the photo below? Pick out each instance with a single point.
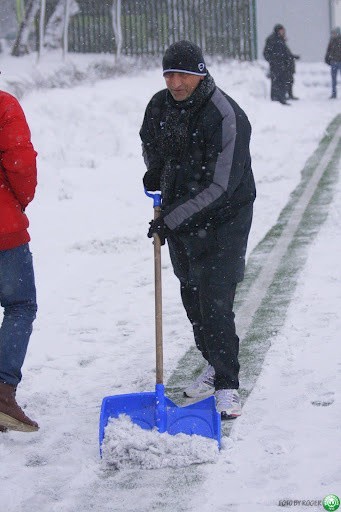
(200, 418)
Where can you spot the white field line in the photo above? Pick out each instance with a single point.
(260, 286)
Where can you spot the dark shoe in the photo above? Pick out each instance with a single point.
(281, 100)
(3, 429)
(293, 98)
(12, 417)
(333, 97)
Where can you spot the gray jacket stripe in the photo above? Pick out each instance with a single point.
(222, 168)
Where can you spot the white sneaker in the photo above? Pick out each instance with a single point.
(203, 386)
(228, 403)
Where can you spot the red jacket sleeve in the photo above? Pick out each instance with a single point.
(17, 155)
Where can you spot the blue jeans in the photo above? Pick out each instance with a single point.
(334, 68)
(18, 298)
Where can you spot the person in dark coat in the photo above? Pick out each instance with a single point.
(282, 65)
(291, 73)
(333, 57)
(195, 141)
(18, 180)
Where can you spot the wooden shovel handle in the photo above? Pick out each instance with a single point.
(158, 303)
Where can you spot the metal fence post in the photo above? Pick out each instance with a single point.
(221, 27)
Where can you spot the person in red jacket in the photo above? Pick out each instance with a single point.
(18, 180)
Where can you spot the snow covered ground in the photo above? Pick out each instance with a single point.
(94, 333)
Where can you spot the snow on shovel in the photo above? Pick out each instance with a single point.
(153, 410)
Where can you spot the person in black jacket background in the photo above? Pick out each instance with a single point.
(282, 65)
(333, 57)
(195, 141)
(291, 73)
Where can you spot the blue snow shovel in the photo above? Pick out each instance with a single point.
(154, 410)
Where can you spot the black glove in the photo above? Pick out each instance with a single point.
(297, 57)
(159, 227)
(151, 180)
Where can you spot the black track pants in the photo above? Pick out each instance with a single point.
(208, 265)
(209, 308)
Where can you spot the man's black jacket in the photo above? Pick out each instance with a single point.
(207, 178)
(277, 53)
(333, 53)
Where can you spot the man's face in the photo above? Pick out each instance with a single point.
(182, 85)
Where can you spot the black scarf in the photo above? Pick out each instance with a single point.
(175, 132)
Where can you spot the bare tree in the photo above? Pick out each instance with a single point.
(21, 46)
(58, 24)
(41, 26)
(116, 24)
(66, 28)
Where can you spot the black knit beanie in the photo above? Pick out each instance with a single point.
(277, 28)
(184, 57)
